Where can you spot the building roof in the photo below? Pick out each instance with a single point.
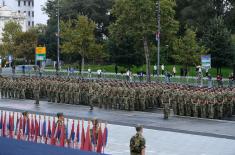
(7, 12)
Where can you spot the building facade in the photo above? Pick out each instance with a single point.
(6, 15)
(25, 7)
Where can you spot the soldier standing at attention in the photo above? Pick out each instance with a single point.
(137, 142)
(37, 93)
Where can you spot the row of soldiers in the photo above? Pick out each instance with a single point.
(110, 94)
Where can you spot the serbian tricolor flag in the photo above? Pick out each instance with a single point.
(72, 134)
(36, 130)
(20, 128)
(53, 133)
(78, 132)
(1, 121)
(11, 125)
(82, 137)
(87, 145)
(27, 132)
(94, 138)
(24, 125)
(105, 136)
(17, 124)
(49, 129)
(32, 128)
(100, 141)
(4, 125)
(44, 129)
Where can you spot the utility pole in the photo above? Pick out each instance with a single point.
(158, 35)
(58, 38)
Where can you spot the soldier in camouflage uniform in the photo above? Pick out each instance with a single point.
(137, 142)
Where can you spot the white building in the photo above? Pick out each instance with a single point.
(22, 7)
(6, 15)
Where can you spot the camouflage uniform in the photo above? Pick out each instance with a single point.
(137, 144)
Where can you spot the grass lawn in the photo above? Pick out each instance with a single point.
(134, 69)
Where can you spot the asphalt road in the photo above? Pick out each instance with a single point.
(155, 121)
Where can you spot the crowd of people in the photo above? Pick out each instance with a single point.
(112, 94)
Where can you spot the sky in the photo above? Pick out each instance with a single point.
(40, 17)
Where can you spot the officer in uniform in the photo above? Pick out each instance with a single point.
(137, 142)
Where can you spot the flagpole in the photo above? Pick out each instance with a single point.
(158, 33)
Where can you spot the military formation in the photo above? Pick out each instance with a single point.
(111, 94)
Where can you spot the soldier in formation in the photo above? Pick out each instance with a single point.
(112, 94)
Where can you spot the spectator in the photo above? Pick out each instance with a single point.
(219, 79)
(174, 71)
(231, 80)
(155, 70)
(163, 69)
(209, 81)
(116, 69)
(89, 73)
(23, 69)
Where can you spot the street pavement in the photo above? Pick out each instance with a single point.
(176, 136)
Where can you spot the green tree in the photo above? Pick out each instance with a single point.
(137, 19)
(186, 49)
(10, 31)
(218, 39)
(97, 10)
(78, 38)
(25, 44)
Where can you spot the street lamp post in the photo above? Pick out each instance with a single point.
(58, 38)
(158, 35)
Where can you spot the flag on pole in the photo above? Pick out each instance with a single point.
(53, 133)
(20, 128)
(82, 136)
(78, 132)
(100, 141)
(94, 141)
(87, 145)
(49, 128)
(32, 129)
(72, 134)
(17, 124)
(44, 130)
(24, 125)
(11, 126)
(27, 128)
(36, 130)
(1, 120)
(4, 126)
(67, 129)
(105, 136)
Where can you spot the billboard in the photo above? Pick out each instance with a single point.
(40, 53)
(206, 61)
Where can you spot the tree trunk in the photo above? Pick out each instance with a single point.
(146, 51)
(83, 61)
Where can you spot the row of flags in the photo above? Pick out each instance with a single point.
(48, 131)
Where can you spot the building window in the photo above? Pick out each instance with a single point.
(18, 2)
(18, 11)
(29, 13)
(29, 3)
(32, 23)
(24, 3)
(32, 3)
(28, 23)
(32, 13)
